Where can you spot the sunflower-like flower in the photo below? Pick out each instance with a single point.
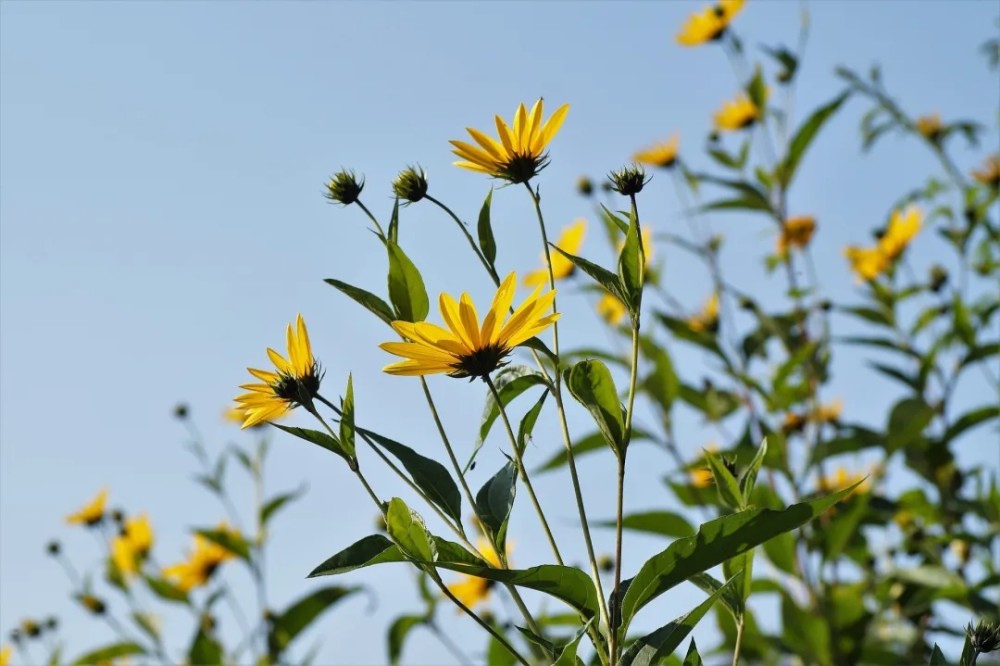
(841, 478)
(866, 262)
(870, 262)
(989, 174)
(296, 381)
(736, 114)
(202, 562)
(92, 513)
(709, 24)
(131, 547)
(472, 590)
(929, 126)
(6, 653)
(796, 232)
(570, 240)
(708, 318)
(519, 154)
(466, 348)
(662, 155)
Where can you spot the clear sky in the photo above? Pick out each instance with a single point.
(161, 170)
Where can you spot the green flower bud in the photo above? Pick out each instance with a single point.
(344, 187)
(411, 184)
(585, 186)
(628, 180)
(984, 637)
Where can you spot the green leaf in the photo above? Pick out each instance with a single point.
(146, 622)
(730, 598)
(889, 371)
(738, 203)
(377, 549)
(601, 275)
(408, 529)
(567, 657)
(749, 477)
(937, 657)
(591, 384)
(693, 658)
(740, 569)
(510, 383)
(347, 420)
(971, 419)
(231, 541)
(495, 500)
(166, 590)
(205, 650)
(370, 301)
(394, 222)
(278, 501)
(661, 383)
(486, 242)
(406, 287)
(298, 616)
(804, 136)
(528, 422)
(322, 439)
(631, 267)
(428, 474)
(620, 222)
(879, 316)
(725, 483)
(649, 649)
(398, 631)
(716, 541)
(907, 421)
(592, 442)
(664, 523)
(109, 652)
(781, 551)
(757, 89)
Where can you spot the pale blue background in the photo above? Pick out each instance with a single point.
(162, 167)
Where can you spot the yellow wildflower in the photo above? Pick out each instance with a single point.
(866, 262)
(472, 590)
(701, 477)
(466, 349)
(989, 174)
(903, 226)
(796, 232)
(828, 413)
(709, 24)
(203, 561)
(295, 382)
(130, 547)
(520, 153)
(663, 154)
(708, 318)
(611, 308)
(570, 241)
(736, 114)
(843, 478)
(5, 654)
(92, 513)
(929, 126)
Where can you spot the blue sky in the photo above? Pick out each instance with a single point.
(162, 167)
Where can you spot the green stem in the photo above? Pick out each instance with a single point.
(371, 217)
(522, 470)
(468, 236)
(739, 643)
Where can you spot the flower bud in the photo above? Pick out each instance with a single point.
(52, 623)
(585, 186)
(181, 411)
(93, 604)
(938, 277)
(53, 548)
(606, 563)
(628, 180)
(984, 637)
(344, 187)
(410, 185)
(30, 628)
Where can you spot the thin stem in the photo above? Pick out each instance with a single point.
(739, 643)
(449, 644)
(371, 217)
(468, 236)
(595, 571)
(522, 469)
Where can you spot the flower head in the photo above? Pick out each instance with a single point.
(662, 155)
(466, 348)
(903, 226)
(472, 590)
(611, 308)
(411, 184)
(296, 381)
(708, 318)
(628, 180)
(989, 173)
(91, 514)
(842, 478)
(202, 562)
(796, 232)
(344, 187)
(930, 126)
(130, 547)
(570, 240)
(519, 154)
(736, 114)
(709, 24)
(584, 186)
(5, 654)
(866, 262)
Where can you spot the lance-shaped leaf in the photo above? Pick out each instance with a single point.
(347, 419)
(591, 384)
(649, 649)
(726, 484)
(693, 657)
(601, 275)
(328, 442)
(749, 477)
(406, 287)
(663, 523)
(398, 631)
(804, 137)
(486, 242)
(204, 649)
(377, 549)
(231, 541)
(297, 617)
(272, 505)
(567, 656)
(108, 652)
(408, 529)
(366, 299)
(631, 267)
(716, 541)
(430, 476)
(495, 500)
(394, 222)
(528, 422)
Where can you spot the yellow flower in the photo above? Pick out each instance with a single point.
(570, 241)
(866, 262)
(611, 308)
(132, 545)
(708, 318)
(466, 349)
(296, 381)
(520, 153)
(929, 126)
(842, 478)
(92, 513)
(663, 154)
(796, 232)
(828, 413)
(203, 561)
(989, 174)
(5, 654)
(736, 114)
(710, 23)
(701, 477)
(472, 590)
(903, 226)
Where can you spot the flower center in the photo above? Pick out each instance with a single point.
(481, 362)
